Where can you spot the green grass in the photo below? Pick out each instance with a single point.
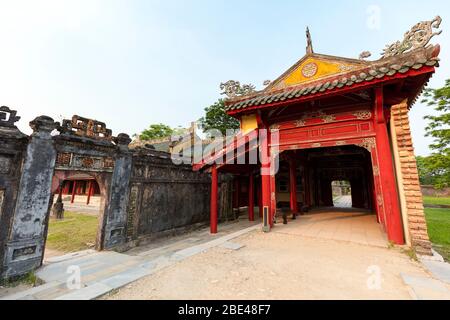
(438, 221)
(436, 200)
(75, 233)
(29, 279)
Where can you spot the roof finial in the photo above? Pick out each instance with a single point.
(309, 47)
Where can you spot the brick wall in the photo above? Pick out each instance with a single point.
(408, 178)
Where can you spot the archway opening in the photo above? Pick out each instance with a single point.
(342, 194)
(76, 228)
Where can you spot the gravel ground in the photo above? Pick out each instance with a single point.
(280, 266)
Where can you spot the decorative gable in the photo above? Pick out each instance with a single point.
(314, 67)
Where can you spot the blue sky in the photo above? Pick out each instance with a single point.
(133, 63)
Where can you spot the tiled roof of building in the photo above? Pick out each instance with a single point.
(322, 74)
(371, 72)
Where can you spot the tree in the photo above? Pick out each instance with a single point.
(216, 118)
(438, 164)
(426, 175)
(156, 131)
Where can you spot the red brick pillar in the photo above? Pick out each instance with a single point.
(408, 177)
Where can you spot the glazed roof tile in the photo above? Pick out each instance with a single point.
(370, 71)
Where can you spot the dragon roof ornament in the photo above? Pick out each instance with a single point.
(418, 37)
(234, 88)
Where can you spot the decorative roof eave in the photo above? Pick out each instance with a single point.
(336, 91)
(420, 61)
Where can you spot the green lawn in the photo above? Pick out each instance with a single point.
(436, 200)
(75, 233)
(438, 221)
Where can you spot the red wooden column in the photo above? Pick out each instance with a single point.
(90, 190)
(273, 193)
(389, 196)
(307, 187)
(74, 191)
(265, 181)
(251, 198)
(214, 197)
(265, 191)
(293, 186)
(375, 204)
(66, 187)
(260, 198)
(61, 189)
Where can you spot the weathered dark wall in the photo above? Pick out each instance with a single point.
(165, 196)
(25, 246)
(13, 146)
(144, 193)
(116, 212)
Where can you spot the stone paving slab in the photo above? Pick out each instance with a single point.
(426, 288)
(439, 269)
(232, 245)
(70, 256)
(28, 294)
(88, 293)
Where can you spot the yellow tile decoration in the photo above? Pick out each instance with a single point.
(314, 68)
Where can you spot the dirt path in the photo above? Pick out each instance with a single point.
(280, 266)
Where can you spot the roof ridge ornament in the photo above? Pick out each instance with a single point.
(309, 45)
(8, 117)
(233, 88)
(418, 37)
(86, 128)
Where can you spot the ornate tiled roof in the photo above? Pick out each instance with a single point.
(320, 74)
(383, 68)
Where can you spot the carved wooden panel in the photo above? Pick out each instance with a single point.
(325, 132)
(71, 161)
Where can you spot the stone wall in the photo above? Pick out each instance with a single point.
(12, 152)
(165, 197)
(144, 194)
(408, 178)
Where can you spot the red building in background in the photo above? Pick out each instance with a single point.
(336, 119)
(80, 184)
